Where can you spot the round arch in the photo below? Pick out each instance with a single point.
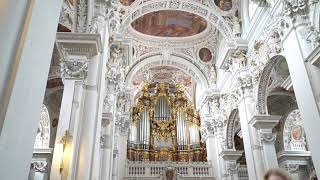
(43, 132)
(212, 17)
(263, 84)
(233, 118)
(175, 60)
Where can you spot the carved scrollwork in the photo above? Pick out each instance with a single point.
(268, 137)
(292, 168)
(207, 129)
(236, 61)
(293, 7)
(243, 84)
(274, 42)
(74, 69)
(123, 123)
(97, 24)
(40, 166)
(67, 15)
(313, 36)
(82, 15)
(233, 168)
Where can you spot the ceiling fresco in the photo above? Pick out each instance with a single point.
(224, 5)
(126, 2)
(168, 23)
(205, 55)
(164, 74)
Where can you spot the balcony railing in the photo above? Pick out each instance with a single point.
(243, 173)
(157, 169)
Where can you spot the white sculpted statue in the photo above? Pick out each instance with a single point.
(212, 74)
(275, 43)
(236, 26)
(238, 59)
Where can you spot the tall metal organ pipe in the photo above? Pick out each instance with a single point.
(162, 109)
(182, 131)
(133, 134)
(144, 129)
(194, 135)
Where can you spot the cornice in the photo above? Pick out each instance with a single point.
(208, 36)
(79, 43)
(264, 121)
(231, 155)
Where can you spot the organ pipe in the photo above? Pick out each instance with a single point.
(133, 134)
(144, 128)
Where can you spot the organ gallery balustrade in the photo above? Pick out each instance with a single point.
(156, 169)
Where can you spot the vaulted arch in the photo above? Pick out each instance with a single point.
(213, 17)
(263, 84)
(233, 118)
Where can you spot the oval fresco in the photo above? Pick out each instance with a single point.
(169, 23)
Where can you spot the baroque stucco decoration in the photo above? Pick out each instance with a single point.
(263, 85)
(67, 15)
(233, 118)
(294, 137)
(137, 10)
(174, 61)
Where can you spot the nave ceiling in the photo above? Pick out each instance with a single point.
(162, 31)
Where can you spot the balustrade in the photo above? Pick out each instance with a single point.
(243, 173)
(156, 169)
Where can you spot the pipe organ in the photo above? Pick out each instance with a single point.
(165, 126)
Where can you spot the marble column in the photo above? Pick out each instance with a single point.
(106, 146)
(305, 94)
(89, 121)
(79, 68)
(28, 31)
(121, 149)
(245, 17)
(115, 168)
(252, 146)
(213, 155)
(230, 157)
(264, 124)
(68, 123)
(212, 124)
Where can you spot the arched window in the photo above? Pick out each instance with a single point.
(43, 132)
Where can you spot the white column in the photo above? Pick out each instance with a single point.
(305, 95)
(122, 155)
(63, 126)
(115, 167)
(68, 123)
(80, 57)
(245, 16)
(231, 156)
(250, 138)
(89, 121)
(213, 156)
(31, 173)
(264, 124)
(21, 106)
(106, 146)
